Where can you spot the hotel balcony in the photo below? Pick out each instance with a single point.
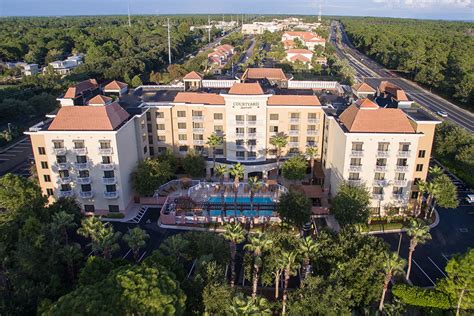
(398, 196)
(111, 180)
(294, 120)
(199, 142)
(383, 153)
(401, 168)
(357, 153)
(86, 194)
(64, 180)
(239, 122)
(107, 166)
(198, 130)
(81, 165)
(182, 142)
(198, 118)
(251, 122)
(66, 193)
(84, 180)
(381, 168)
(355, 168)
(313, 121)
(404, 153)
(294, 132)
(239, 135)
(294, 144)
(80, 151)
(111, 195)
(106, 151)
(380, 183)
(355, 181)
(377, 197)
(400, 183)
(62, 165)
(311, 144)
(251, 135)
(59, 151)
(311, 132)
(252, 158)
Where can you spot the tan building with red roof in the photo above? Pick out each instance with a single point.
(363, 90)
(116, 88)
(309, 39)
(79, 92)
(301, 55)
(388, 92)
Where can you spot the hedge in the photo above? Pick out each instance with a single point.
(417, 296)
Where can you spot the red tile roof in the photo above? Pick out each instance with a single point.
(89, 118)
(115, 86)
(246, 88)
(363, 87)
(299, 51)
(193, 76)
(300, 58)
(199, 98)
(366, 104)
(99, 100)
(264, 73)
(371, 120)
(296, 100)
(397, 92)
(79, 88)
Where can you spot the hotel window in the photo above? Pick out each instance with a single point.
(160, 127)
(47, 178)
(312, 128)
(313, 116)
(148, 116)
(197, 113)
(356, 162)
(239, 142)
(109, 174)
(183, 148)
(240, 154)
(414, 194)
(149, 128)
(44, 165)
(60, 159)
(251, 118)
(399, 176)
(161, 138)
(381, 162)
(404, 147)
(377, 190)
(182, 137)
(49, 192)
(421, 153)
(106, 159)
(294, 139)
(379, 176)
(357, 146)
(397, 190)
(89, 208)
(86, 187)
(181, 113)
(104, 144)
(419, 167)
(218, 116)
(251, 154)
(198, 125)
(110, 188)
(219, 151)
(311, 141)
(145, 149)
(239, 130)
(218, 128)
(354, 176)
(383, 146)
(150, 140)
(58, 144)
(274, 117)
(162, 150)
(416, 181)
(294, 128)
(79, 144)
(81, 159)
(252, 130)
(63, 174)
(273, 129)
(198, 137)
(152, 151)
(65, 187)
(198, 148)
(113, 208)
(402, 162)
(181, 125)
(239, 118)
(294, 150)
(41, 151)
(83, 173)
(252, 142)
(160, 115)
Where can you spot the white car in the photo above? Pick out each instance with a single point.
(442, 113)
(470, 198)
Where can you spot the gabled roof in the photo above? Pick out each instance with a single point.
(193, 76)
(115, 86)
(370, 120)
(99, 100)
(199, 98)
(89, 118)
(81, 87)
(246, 88)
(264, 73)
(396, 92)
(366, 104)
(300, 57)
(363, 87)
(296, 100)
(299, 51)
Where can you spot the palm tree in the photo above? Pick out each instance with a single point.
(213, 141)
(422, 188)
(63, 221)
(432, 189)
(306, 246)
(103, 238)
(71, 254)
(419, 233)
(278, 270)
(291, 267)
(393, 264)
(258, 244)
(235, 235)
(255, 185)
(435, 171)
(279, 141)
(312, 152)
(136, 240)
(243, 306)
(220, 172)
(238, 172)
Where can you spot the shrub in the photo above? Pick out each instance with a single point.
(416, 296)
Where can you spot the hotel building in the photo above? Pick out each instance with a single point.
(92, 146)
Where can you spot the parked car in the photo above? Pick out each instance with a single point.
(470, 198)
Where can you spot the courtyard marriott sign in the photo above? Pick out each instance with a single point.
(245, 105)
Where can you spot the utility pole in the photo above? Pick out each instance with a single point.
(169, 43)
(129, 21)
(209, 28)
(320, 10)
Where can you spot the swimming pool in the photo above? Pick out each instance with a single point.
(241, 200)
(246, 213)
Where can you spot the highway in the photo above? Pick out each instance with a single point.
(372, 73)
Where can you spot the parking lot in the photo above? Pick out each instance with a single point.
(16, 158)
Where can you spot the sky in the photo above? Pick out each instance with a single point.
(422, 9)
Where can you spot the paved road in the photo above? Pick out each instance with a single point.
(369, 71)
(15, 158)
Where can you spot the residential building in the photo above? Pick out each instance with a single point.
(309, 39)
(257, 28)
(390, 95)
(219, 57)
(363, 90)
(64, 67)
(303, 56)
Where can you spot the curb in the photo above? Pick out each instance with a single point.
(402, 230)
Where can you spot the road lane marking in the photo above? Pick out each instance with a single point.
(423, 271)
(437, 266)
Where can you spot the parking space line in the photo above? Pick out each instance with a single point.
(423, 271)
(437, 266)
(7, 155)
(446, 258)
(125, 256)
(15, 151)
(141, 257)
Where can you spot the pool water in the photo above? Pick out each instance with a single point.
(241, 200)
(246, 213)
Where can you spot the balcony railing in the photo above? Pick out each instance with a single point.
(381, 168)
(294, 120)
(239, 122)
(294, 144)
(107, 166)
(400, 183)
(198, 129)
(61, 151)
(377, 196)
(354, 181)
(84, 180)
(252, 158)
(380, 183)
(251, 135)
(311, 132)
(401, 168)
(199, 142)
(62, 165)
(240, 147)
(198, 118)
(357, 153)
(80, 151)
(398, 196)
(105, 151)
(182, 142)
(111, 195)
(66, 193)
(240, 135)
(311, 144)
(404, 153)
(355, 168)
(251, 122)
(86, 194)
(110, 180)
(313, 121)
(383, 153)
(81, 165)
(294, 132)
(64, 180)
